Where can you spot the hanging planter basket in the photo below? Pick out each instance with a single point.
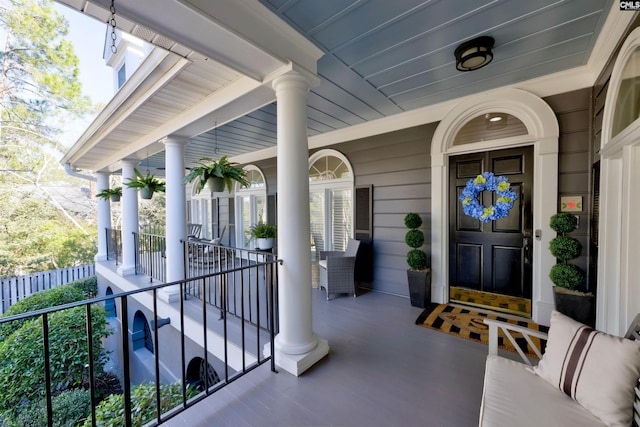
(216, 184)
(146, 193)
(115, 197)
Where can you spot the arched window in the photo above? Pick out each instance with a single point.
(141, 336)
(110, 304)
(198, 376)
(331, 200)
(251, 205)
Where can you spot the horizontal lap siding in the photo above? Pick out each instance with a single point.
(575, 160)
(397, 164)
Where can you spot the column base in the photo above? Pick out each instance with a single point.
(296, 364)
(169, 294)
(100, 258)
(127, 270)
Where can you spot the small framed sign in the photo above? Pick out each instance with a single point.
(571, 203)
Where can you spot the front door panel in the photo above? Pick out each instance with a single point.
(494, 256)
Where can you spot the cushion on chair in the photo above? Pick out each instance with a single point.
(596, 369)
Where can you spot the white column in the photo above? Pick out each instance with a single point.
(129, 203)
(176, 223)
(104, 217)
(297, 347)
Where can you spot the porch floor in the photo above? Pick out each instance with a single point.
(382, 370)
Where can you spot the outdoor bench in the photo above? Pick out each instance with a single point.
(517, 394)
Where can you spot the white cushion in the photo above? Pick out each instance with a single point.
(323, 263)
(513, 396)
(596, 369)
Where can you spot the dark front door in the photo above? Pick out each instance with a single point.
(492, 256)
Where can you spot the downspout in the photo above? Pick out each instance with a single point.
(73, 172)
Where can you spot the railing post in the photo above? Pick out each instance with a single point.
(92, 393)
(126, 386)
(47, 368)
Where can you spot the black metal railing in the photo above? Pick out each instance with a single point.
(239, 288)
(114, 244)
(151, 255)
(240, 330)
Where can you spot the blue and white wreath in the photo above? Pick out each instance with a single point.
(488, 181)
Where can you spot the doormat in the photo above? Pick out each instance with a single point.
(468, 324)
(498, 302)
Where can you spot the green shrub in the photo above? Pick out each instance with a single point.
(22, 356)
(110, 413)
(563, 222)
(566, 275)
(70, 408)
(565, 248)
(77, 290)
(88, 286)
(44, 299)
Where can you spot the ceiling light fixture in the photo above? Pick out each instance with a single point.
(474, 54)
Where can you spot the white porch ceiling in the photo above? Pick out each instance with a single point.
(382, 60)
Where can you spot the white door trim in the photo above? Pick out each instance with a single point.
(618, 298)
(543, 132)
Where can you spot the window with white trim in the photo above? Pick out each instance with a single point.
(331, 200)
(202, 210)
(251, 205)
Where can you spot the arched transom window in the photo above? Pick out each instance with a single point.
(331, 200)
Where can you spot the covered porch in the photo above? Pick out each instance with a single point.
(382, 370)
(265, 80)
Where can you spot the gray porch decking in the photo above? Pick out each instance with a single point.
(382, 370)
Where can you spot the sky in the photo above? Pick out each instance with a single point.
(87, 36)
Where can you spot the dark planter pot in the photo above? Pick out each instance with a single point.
(577, 305)
(216, 184)
(115, 197)
(146, 193)
(419, 287)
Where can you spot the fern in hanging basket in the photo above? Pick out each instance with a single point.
(207, 168)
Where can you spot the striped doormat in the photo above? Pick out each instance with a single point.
(497, 302)
(468, 324)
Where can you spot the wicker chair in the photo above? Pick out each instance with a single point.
(337, 270)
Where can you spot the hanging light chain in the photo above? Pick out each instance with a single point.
(112, 22)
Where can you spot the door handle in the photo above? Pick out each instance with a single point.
(526, 246)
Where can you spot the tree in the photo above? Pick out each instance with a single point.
(39, 92)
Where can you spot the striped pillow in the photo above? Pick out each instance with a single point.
(597, 370)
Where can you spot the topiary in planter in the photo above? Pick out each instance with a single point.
(563, 223)
(418, 275)
(416, 258)
(565, 248)
(566, 276)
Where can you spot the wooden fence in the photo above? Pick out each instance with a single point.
(13, 289)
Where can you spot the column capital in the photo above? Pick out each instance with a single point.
(294, 79)
(129, 162)
(173, 140)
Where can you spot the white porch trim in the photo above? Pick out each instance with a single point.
(618, 296)
(543, 133)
